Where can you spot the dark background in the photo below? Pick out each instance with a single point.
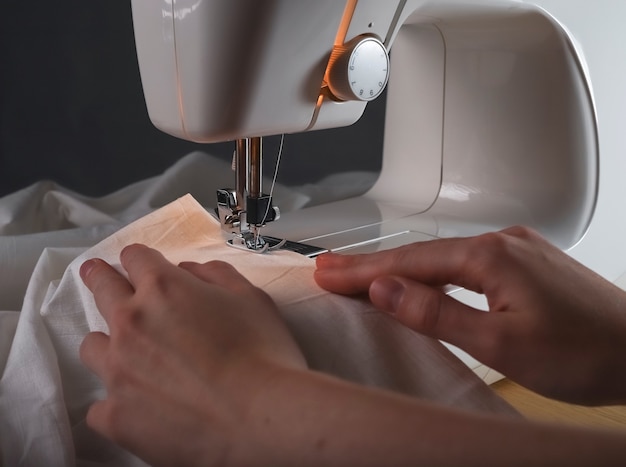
(72, 108)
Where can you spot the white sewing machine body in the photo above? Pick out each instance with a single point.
(499, 112)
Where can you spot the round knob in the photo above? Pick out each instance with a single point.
(359, 69)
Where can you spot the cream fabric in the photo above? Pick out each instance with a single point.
(45, 390)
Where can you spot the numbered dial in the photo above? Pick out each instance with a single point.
(358, 70)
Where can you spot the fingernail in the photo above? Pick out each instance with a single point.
(326, 259)
(87, 267)
(129, 247)
(386, 293)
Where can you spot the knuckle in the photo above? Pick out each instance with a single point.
(492, 242)
(125, 317)
(118, 371)
(498, 347)
(421, 311)
(156, 281)
(115, 374)
(399, 260)
(221, 266)
(263, 296)
(111, 419)
(404, 254)
(496, 342)
(223, 269)
(522, 232)
(486, 252)
(216, 270)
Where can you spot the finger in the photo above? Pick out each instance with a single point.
(92, 350)
(107, 285)
(466, 262)
(226, 276)
(130, 423)
(433, 262)
(98, 418)
(111, 418)
(219, 273)
(431, 312)
(145, 264)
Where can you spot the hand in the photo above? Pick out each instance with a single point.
(200, 370)
(189, 347)
(554, 326)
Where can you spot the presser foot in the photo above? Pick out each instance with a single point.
(253, 242)
(265, 244)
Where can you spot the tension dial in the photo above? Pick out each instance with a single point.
(359, 69)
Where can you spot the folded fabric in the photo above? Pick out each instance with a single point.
(45, 390)
(46, 215)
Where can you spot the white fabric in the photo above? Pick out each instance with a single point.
(47, 215)
(45, 390)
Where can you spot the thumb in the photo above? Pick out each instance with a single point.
(430, 311)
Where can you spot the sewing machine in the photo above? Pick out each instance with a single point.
(491, 117)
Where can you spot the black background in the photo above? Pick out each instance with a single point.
(72, 108)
